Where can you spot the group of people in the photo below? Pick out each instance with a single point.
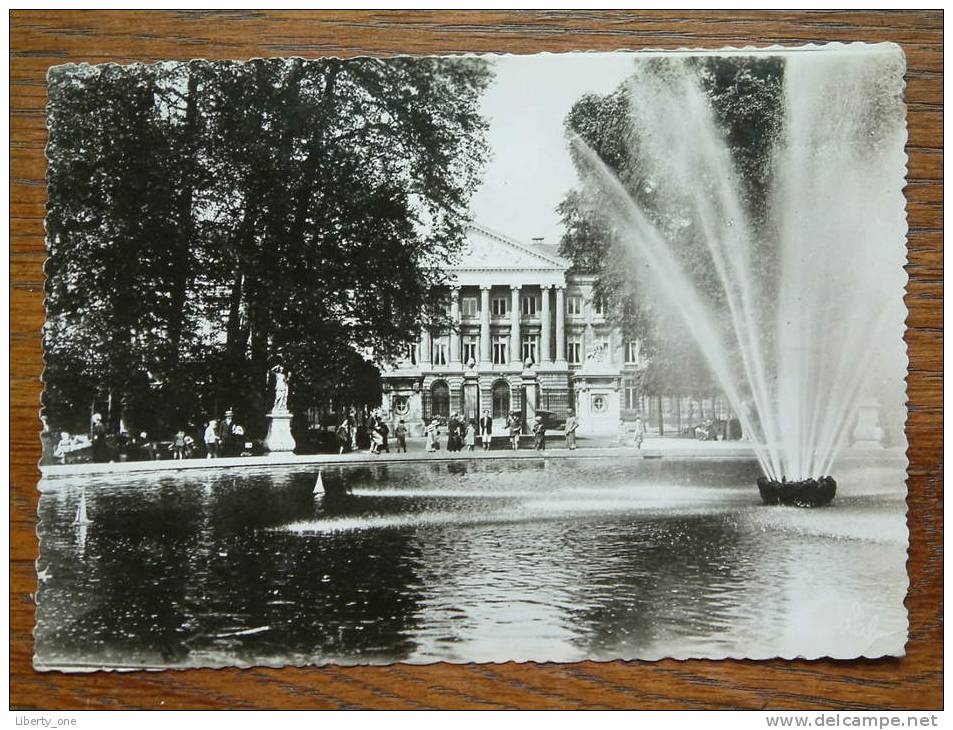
(377, 431)
(461, 433)
(222, 437)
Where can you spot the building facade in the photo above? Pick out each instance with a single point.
(529, 336)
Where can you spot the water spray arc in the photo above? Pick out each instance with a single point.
(795, 354)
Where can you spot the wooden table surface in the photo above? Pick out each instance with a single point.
(40, 39)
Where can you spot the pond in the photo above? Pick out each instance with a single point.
(555, 559)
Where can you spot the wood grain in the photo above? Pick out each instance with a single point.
(40, 39)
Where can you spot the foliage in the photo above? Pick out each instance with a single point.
(206, 220)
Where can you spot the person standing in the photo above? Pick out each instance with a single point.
(471, 436)
(377, 438)
(401, 433)
(639, 432)
(515, 428)
(344, 436)
(572, 423)
(452, 432)
(226, 434)
(97, 436)
(433, 433)
(486, 430)
(539, 434)
(178, 445)
(385, 432)
(211, 439)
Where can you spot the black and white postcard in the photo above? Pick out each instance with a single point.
(475, 358)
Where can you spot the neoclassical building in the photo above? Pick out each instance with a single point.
(529, 337)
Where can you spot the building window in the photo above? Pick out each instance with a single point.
(601, 345)
(531, 304)
(441, 351)
(440, 399)
(501, 399)
(574, 350)
(574, 304)
(468, 306)
(499, 349)
(471, 344)
(530, 348)
(499, 306)
(632, 352)
(598, 306)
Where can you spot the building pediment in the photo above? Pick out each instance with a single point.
(488, 250)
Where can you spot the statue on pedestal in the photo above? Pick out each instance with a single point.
(282, 377)
(279, 419)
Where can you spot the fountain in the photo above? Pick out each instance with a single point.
(798, 340)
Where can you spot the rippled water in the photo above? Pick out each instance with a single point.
(488, 560)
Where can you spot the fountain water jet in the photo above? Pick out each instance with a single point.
(795, 357)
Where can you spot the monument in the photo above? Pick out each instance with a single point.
(279, 437)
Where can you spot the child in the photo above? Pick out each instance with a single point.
(178, 445)
(401, 432)
(211, 439)
(539, 434)
(470, 436)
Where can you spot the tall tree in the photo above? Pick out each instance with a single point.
(207, 219)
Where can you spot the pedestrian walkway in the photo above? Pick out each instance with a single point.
(416, 452)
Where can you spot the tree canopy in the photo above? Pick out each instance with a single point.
(208, 219)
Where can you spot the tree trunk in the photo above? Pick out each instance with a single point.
(182, 246)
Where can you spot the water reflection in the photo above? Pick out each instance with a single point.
(483, 560)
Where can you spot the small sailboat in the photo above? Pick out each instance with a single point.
(318, 486)
(82, 518)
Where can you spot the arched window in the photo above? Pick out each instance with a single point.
(501, 399)
(440, 399)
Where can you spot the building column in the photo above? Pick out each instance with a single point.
(425, 352)
(485, 325)
(455, 325)
(544, 327)
(515, 326)
(561, 325)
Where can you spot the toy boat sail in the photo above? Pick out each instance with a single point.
(318, 486)
(82, 518)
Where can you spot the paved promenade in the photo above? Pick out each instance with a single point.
(416, 452)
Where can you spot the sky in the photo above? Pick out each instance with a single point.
(530, 169)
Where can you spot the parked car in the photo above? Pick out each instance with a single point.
(552, 421)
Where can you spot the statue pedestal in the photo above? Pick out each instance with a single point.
(867, 432)
(530, 397)
(471, 395)
(279, 437)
